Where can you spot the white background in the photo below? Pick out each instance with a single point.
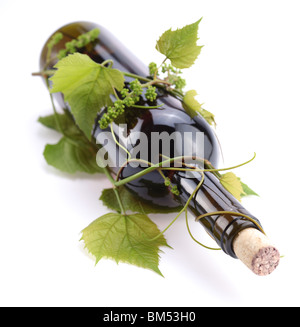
(247, 75)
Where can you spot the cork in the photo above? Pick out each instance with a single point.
(256, 251)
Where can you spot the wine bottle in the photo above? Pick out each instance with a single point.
(230, 231)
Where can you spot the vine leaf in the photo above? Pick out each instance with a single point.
(71, 158)
(247, 190)
(232, 184)
(132, 203)
(192, 107)
(180, 46)
(86, 86)
(74, 152)
(65, 120)
(235, 186)
(125, 238)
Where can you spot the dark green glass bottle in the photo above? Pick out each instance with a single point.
(170, 117)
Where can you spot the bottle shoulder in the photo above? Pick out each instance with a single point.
(170, 121)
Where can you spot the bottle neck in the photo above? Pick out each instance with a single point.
(213, 197)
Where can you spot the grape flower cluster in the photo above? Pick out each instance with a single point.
(172, 74)
(80, 42)
(174, 188)
(152, 68)
(151, 93)
(129, 100)
(55, 39)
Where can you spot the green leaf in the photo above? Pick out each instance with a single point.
(132, 203)
(247, 190)
(125, 238)
(71, 157)
(180, 46)
(66, 123)
(192, 107)
(74, 152)
(86, 86)
(232, 184)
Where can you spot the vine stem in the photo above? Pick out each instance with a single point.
(182, 210)
(193, 238)
(192, 168)
(146, 107)
(110, 178)
(44, 73)
(208, 165)
(60, 129)
(108, 175)
(168, 161)
(143, 172)
(232, 213)
(108, 61)
(119, 200)
(116, 141)
(141, 78)
(148, 80)
(155, 74)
